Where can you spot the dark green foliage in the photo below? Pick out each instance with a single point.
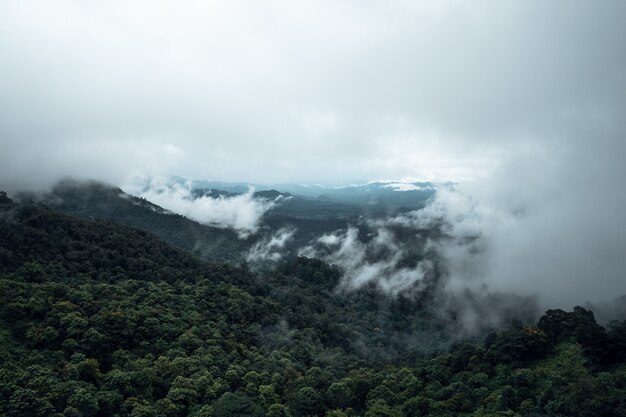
(600, 347)
(617, 340)
(307, 402)
(310, 217)
(101, 201)
(521, 344)
(5, 201)
(236, 405)
(101, 320)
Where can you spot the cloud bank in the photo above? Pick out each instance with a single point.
(377, 260)
(374, 256)
(526, 233)
(430, 90)
(543, 227)
(271, 247)
(521, 102)
(241, 212)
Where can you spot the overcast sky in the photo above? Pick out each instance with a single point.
(521, 102)
(307, 91)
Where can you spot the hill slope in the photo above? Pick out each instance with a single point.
(101, 320)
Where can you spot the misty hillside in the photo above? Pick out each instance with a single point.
(99, 319)
(389, 195)
(108, 203)
(397, 253)
(306, 218)
(312, 209)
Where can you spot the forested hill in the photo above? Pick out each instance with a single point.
(99, 319)
(304, 218)
(96, 200)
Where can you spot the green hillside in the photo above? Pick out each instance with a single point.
(99, 319)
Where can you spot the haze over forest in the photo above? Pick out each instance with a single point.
(429, 171)
(521, 104)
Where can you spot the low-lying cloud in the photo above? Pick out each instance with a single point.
(546, 226)
(437, 90)
(375, 255)
(241, 212)
(375, 261)
(271, 248)
(550, 226)
(529, 106)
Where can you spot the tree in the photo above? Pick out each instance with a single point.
(308, 402)
(236, 404)
(26, 403)
(380, 408)
(5, 200)
(339, 395)
(85, 401)
(277, 410)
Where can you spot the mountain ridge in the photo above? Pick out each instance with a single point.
(99, 319)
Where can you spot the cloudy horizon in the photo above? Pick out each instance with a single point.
(523, 103)
(272, 91)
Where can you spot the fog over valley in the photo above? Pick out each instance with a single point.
(528, 126)
(312, 208)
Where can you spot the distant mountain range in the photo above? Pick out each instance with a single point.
(308, 212)
(385, 195)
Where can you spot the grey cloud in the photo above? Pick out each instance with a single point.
(271, 247)
(375, 257)
(532, 228)
(525, 98)
(428, 90)
(377, 261)
(241, 212)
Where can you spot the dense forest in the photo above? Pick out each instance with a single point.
(308, 218)
(101, 319)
